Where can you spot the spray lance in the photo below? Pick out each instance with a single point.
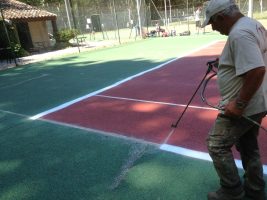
(210, 73)
(210, 69)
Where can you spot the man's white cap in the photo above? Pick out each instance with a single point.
(214, 7)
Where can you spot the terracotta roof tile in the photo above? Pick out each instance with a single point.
(18, 11)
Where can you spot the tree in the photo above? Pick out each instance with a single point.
(33, 2)
(104, 3)
(40, 2)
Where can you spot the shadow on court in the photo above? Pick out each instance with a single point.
(48, 161)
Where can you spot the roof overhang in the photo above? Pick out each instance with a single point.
(20, 12)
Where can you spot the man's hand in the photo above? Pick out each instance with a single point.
(233, 110)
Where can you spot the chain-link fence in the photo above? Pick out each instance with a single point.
(111, 21)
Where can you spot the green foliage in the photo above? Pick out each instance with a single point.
(33, 2)
(65, 35)
(14, 48)
(3, 37)
(54, 1)
(18, 50)
(104, 3)
(40, 2)
(260, 15)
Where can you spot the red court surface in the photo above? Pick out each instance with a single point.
(146, 106)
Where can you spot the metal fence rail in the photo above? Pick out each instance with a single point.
(111, 17)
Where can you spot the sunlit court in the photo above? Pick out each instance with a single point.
(110, 100)
(115, 129)
(145, 106)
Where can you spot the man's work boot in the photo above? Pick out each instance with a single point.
(255, 195)
(226, 194)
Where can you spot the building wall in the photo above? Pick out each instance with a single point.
(39, 34)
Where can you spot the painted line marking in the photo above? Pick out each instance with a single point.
(155, 102)
(28, 80)
(64, 105)
(13, 113)
(198, 155)
(100, 132)
(164, 147)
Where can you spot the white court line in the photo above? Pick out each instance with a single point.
(198, 155)
(19, 83)
(13, 113)
(164, 147)
(176, 149)
(155, 102)
(64, 105)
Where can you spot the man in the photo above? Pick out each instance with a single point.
(197, 19)
(242, 83)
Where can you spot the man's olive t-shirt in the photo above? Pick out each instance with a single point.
(245, 49)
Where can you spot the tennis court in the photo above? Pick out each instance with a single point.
(98, 125)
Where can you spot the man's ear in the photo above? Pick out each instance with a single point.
(220, 17)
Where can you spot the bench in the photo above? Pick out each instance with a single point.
(81, 39)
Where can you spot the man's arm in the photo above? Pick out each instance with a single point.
(252, 80)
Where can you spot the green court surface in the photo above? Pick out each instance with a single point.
(37, 87)
(47, 161)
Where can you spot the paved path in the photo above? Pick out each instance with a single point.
(53, 54)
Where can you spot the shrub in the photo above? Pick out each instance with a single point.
(65, 35)
(18, 50)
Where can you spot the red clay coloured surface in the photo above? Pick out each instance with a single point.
(134, 117)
